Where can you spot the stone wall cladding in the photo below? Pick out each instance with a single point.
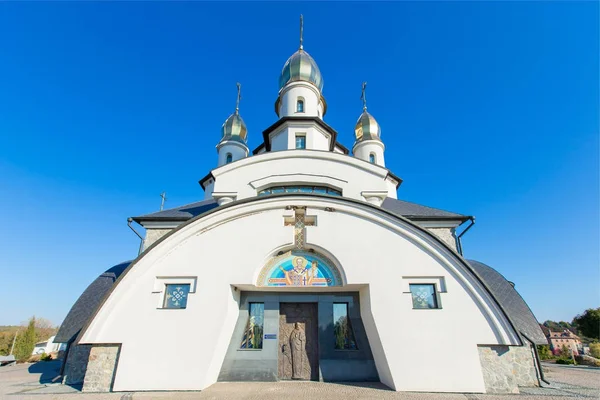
(101, 368)
(505, 368)
(446, 234)
(76, 364)
(152, 235)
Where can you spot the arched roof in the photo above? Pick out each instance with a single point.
(505, 293)
(87, 304)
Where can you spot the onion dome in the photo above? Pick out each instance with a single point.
(234, 127)
(366, 127)
(301, 67)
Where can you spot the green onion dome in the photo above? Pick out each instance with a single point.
(234, 128)
(301, 67)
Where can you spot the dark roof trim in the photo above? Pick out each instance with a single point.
(342, 147)
(160, 219)
(259, 148)
(283, 120)
(207, 177)
(462, 260)
(461, 218)
(395, 177)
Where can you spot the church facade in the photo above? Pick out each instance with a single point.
(301, 263)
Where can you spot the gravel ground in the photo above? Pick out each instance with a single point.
(38, 382)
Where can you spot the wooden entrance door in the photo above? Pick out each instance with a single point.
(298, 341)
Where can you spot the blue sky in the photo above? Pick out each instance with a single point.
(487, 109)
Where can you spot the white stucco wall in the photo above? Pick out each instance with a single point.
(284, 138)
(364, 149)
(352, 176)
(376, 252)
(236, 149)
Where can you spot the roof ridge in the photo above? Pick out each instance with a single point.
(207, 201)
(429, 207)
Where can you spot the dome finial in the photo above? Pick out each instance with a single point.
(301, 30)
(239, 97)
(363, 96)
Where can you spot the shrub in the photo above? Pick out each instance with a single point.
(595, 350)
(566, 361)
(32, 359)
(46, 357)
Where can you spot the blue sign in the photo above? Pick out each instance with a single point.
(270, 336)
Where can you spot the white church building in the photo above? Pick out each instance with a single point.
(301, 263)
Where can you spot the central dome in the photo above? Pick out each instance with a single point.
(301, 67)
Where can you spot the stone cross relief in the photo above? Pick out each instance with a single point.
(299, 221)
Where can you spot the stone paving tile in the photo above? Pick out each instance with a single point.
(22, 382)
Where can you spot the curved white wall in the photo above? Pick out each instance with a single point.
(236, 149)
(363, 150)
(340, 171)
(193, 341)
(313, 107)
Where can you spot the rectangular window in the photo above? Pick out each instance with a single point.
(344, 337)
(300, 142)
(423, 296)
(253, 335)
(176, 295)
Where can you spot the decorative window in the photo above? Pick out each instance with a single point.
(423, 296)
(300, 141)
(372, 158)
(300, 106)
(342, 329)
(300, 189)
(253, 335)
(228, 158)
(176, 295)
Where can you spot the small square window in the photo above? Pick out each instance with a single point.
(423, 296)
(176, 296)
(300, 142)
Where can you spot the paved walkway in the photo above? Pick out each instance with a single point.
(37, 382)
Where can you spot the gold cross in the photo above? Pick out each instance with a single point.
(300, 221)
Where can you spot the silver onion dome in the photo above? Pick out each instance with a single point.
(301, 67)
(234, 128)
(367, 128)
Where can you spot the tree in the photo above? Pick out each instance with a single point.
(25, 341)
(588, 323)
(544, 351)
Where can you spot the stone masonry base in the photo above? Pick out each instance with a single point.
(101, 368)
(505, 368)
